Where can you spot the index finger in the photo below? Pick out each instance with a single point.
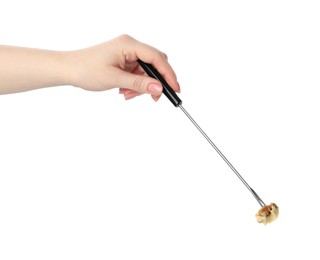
(155, 57)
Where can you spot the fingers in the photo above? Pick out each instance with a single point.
(161, 64)
(155, 98)
(129, 94)
(135, 50)
(138, 83)
(130, 77)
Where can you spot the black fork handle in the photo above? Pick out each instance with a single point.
(167, 90)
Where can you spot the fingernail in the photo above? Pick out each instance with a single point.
(129, 96)
(179, 89)
(155, 89)
(156, 98)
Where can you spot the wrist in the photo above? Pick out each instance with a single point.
(66, 68)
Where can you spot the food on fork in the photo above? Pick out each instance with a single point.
(268, 213)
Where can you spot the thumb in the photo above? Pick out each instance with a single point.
(139, 83)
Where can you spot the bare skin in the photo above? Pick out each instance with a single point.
(109, 65)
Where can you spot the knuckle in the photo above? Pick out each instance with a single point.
(125, 37)
(165, 55)
(137, 84)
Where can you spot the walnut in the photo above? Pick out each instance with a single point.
(268, 213)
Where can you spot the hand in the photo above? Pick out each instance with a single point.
(113, 64)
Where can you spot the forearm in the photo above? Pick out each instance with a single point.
(23, 69)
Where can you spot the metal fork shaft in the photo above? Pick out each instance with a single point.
(223, 157)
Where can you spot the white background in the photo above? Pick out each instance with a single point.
(90, 176)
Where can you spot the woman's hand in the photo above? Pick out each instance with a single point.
(112, 64)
